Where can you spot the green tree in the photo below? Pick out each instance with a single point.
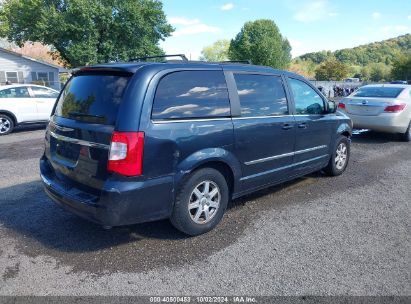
(377, 52)
(401, 69)
(303, 67)
(379, 72)
(87, 31)
(317, 57)
(365, 73)
(354, 71)
(218, 51)
(262, 43)
(331, 69)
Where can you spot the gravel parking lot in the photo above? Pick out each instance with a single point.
(348, 235)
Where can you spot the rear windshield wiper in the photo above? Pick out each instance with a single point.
(88, 117)
(85, 115)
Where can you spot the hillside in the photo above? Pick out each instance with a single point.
(377, 52)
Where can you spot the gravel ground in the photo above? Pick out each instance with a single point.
(348, 235)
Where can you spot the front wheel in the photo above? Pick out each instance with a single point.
(201, 202)
(340, 157)
(6, 124)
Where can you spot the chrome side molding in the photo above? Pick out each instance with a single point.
(262, 160)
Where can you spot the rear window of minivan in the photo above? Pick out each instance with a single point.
(92, 98)
(191, 94)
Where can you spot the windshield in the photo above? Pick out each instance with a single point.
(389, 92)
(92, 98)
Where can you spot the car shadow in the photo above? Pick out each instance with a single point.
(371, 137)
(38, 227)
(26, 210)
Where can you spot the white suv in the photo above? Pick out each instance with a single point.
(24, 103)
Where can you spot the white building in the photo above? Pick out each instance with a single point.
(17, 68)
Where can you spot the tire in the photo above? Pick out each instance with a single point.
(339, 158)
(407, 135)
(6, 124)
(193, 202)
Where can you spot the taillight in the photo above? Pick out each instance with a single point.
(126, 153)
(341, 105)
(395, 108)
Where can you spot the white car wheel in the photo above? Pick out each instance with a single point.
(6, 124)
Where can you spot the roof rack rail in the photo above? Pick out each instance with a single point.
(182, 56)
(236, 61)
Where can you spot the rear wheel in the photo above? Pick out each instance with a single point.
(340, 157)
(201, 202)
(6, 124)
(407, 135)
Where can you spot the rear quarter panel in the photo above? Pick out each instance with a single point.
(406, 98)
(178, 148)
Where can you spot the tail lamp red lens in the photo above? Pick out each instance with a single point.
(395, 108)
(126, 153)
(341, 105)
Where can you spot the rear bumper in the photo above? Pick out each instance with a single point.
(119, 202)
(386, 122)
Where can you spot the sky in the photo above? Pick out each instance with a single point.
(309, 25)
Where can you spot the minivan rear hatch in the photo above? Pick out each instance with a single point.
(80, 130)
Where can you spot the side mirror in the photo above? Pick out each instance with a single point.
(315, 108)
(332, 107)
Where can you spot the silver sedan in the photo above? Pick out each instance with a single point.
(380, 107)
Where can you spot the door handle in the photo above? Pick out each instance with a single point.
(303, 125)
(287, 126)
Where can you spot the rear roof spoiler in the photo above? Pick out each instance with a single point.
(101, 70)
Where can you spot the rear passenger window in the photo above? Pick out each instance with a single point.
(18, 92)
(191, 94)
(261, 95)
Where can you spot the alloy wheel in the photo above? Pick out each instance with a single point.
(5, 125)
(204, 202)
(341, 156)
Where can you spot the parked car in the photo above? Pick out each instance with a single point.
(380, 107)
(137, 142)
(23, 103)
(352, 80)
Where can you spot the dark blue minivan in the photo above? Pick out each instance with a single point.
(143, 141)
